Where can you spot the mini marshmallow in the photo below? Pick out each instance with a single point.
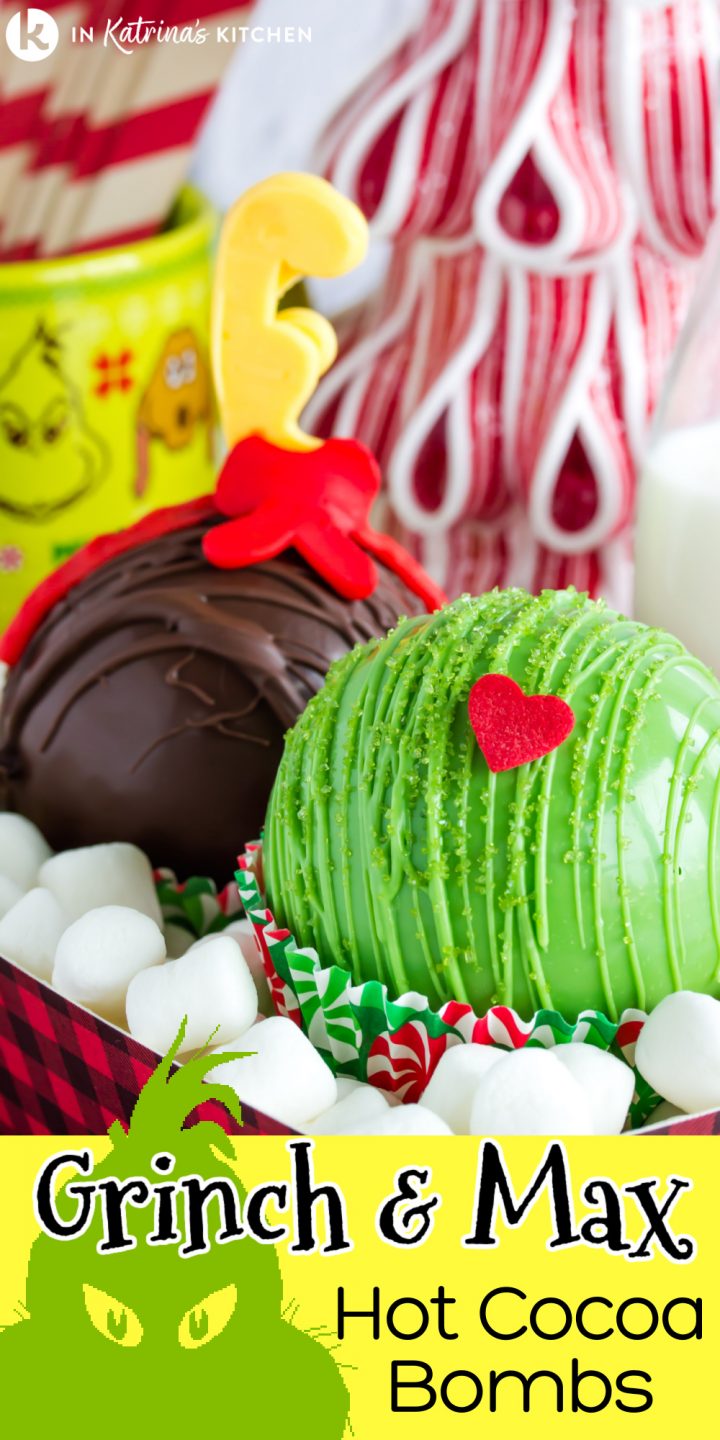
(99, 954)
(346, 1084)
(10, 894)
(244, 935)
(362, 1106)
(455, 1080)
(678, 1051)
(31, 930)
(23, 850)
(211, 985)
(529, 1092)
(285, 1076)
(177, 940)
(608, 1083)
(96, 876)
(403, 1120)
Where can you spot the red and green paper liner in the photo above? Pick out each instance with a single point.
(397, 1043)
(197, 906)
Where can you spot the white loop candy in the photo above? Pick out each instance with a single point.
(284, 1076)
(455, 1080)
(210, 985)
(530, 1093)
(99, 954)
(99, 875)
(30, 932)
(22, 850)
(678, 1051)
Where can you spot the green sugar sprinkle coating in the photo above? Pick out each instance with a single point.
(586, 879)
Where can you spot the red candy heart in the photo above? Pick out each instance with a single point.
(511, 727)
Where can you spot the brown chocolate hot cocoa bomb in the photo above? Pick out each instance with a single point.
(150, 702)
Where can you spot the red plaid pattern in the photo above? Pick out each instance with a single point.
(691, 1125)
(66, 1072)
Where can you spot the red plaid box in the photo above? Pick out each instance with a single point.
(64, 1071)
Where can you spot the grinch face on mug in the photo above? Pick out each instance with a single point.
(49, 456)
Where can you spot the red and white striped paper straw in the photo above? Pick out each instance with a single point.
(139, 132)
(25, 91)
(58, 129)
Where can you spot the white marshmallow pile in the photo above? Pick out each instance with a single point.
(529, 1092)
(457, 1076)
(98, 955)
(283, 1075)
(101, 875)
(30, 931)
(678, 1051)
(210, 984)
(23, 850)
(89, 922)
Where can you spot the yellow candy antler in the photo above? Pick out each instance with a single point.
(267, 364)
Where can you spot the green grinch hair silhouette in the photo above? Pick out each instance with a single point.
(144, 1327)
(166, 1100)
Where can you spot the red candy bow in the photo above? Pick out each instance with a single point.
(315, 501)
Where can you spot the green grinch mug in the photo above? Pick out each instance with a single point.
(106, 406)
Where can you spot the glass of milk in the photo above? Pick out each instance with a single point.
(677, 548)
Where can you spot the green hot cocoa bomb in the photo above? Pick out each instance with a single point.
(589, 878)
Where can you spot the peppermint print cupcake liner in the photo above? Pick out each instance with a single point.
(361, 1031)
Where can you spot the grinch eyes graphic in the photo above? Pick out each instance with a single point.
(111, 1318)
(203, 1322)
(23, 433)
(199, 1325)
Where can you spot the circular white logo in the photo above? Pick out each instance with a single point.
(32, 35)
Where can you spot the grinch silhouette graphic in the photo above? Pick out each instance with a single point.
(49, 456)
(146, 1341)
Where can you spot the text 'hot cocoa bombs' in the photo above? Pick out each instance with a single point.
(582, 870)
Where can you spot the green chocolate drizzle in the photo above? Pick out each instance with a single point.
(585, 879)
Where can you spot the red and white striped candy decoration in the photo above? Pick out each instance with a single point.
(404, 1062)
(550, 193)
(666, 59)
(545, 127)
(506, 373)
(492, 394)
